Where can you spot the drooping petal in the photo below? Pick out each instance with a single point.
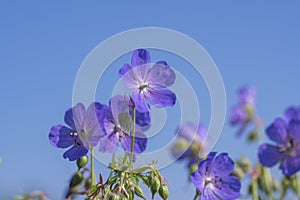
(140, 57)
(75, 152)
(198, 180)
(161, 98)
(269, 155)
(294, 130)
(222, 165)
(140, 101)
(237, 115)
(277, 131)
(140, 143)
(60, 137)
(230, 189)
(125, 68)
(290, 165)
(161, 75)
(108, 144)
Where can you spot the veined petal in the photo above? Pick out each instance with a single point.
(108, 144)
(75, 152)
(78, 116)
(198, 180)
(292, 113)
(161, 75)
(290, 165)
(135, 77)
(60, 137)
(269, 155)
(140, 101)
(222, 165)
(118, 104)
(277, 131)
(161, 98)
(140, 57)
(230, 189)
(143, 118)
(125, 68)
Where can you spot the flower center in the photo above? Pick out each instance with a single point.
(143, 88)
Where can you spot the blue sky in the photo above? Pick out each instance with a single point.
(43, 44)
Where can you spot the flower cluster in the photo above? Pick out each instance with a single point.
(286, 134)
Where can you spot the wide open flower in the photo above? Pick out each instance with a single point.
(118, 128)
(149, 84)
(243, 113)
(84, 130)
(214, 180)
(190, 144)
(286, 151)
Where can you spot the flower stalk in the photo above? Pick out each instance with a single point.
(132, 137)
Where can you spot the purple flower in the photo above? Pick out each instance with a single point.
(83, 130)
(214, 180)
(286, 151)
(243, 113)
(190, 143)
(149, 84)
(118, 128)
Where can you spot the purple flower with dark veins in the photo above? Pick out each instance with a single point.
(243, 113)
(118, 128)
(214, 180)
(190, 144)
(84, 130)
(286, 151)
(149, 83)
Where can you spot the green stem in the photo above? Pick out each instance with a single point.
(92, 166)
(132, 137)
(197, 194)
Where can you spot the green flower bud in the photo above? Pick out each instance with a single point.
(155, 184)
(246, 166)
(238, 172)
(76, 179)
(139, 192)
(252, 136)
(81, 162)
(113, 197)
(193, 168)
(164, 192)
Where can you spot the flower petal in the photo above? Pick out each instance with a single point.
(140, 143)
(117, 105)
(60, 137)
(292, 113)
(161, 98)
(108, 144)
(230, 189)
(198, 180)
(140, 57)
(161, 75)
(247, 95)
(294, 129)
(125, 68)
(269, 155)
(135, 77)
(277, 131)
(74, 117)
(290, 165)
(77, 151)
(237, 115)
(143, 118)
(192, 131)
(140, 101)
(222, 165)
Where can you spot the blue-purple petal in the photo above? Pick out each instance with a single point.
(222, 165)
(161, 98)
(143, 118)
(77, 151)
(277, 131)
(292, 113)
(269, 155)
(198, 180)
(247, 95)
(290, 165)
(140, 57)
(125, 68)
(108, 144)
(230, 188)
(140, 143)
(237, 115)
(60, 137)
(161, 75)
(140, 101)
(294, 130)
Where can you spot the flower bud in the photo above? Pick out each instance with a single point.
(113, 196)
(139, 192)
(76, 179)
(81, 162)
(238, 172)
(193, 168)
(88, 184)
(164, 192)
(155, 184)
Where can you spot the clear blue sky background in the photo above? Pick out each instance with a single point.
(42, 45)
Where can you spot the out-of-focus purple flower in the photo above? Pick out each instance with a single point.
(286, 151)
(84, 130)
(214, 180)
(292, 113)
(149, 84)
(243, 113)
(190, 143)
(118, 128)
